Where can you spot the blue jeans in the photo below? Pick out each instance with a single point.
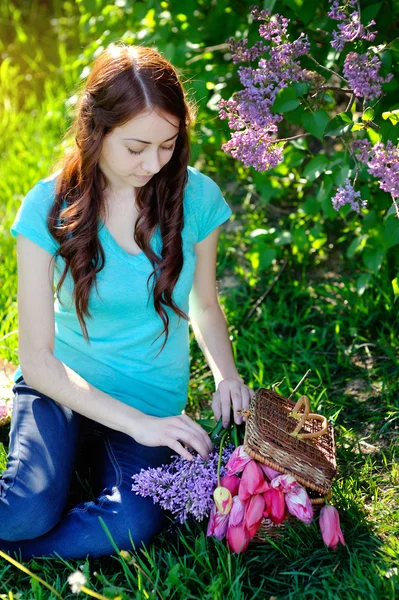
(48, 442)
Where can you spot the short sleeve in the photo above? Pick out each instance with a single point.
(211, 208)
(31, 218)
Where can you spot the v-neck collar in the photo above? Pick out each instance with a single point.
(106, 235)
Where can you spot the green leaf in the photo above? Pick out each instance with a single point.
(372, 258)
(315, 123)
(267, 255)
(300, 88)
(295, 116)
(339, 125)
(315, 167)
(393, 116)
(391, 211)
(370, 12)
(395, 285)
(283, 238)
(391, 232)
(285, 100)
(362, 283)
(368, 114)
(386, 59)
(355, 246)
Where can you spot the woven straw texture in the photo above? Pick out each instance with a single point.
(268, 439)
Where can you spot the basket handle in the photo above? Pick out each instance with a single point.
(303, 417)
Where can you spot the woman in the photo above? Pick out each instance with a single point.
(107, 363)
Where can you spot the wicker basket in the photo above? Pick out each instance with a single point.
(299, 444)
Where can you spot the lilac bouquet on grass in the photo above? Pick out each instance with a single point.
(183, 487)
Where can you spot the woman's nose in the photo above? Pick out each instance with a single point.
(151, 164)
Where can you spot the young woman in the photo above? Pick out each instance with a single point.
(128, 233)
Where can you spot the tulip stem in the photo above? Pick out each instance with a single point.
(224, 435)
(235, 435)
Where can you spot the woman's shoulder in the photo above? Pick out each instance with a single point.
(198, 181)
(199, 187)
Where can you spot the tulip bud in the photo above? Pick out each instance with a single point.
(254, 514)
(231, 482)
(299, 504)
(330, 527)
(217, 525)
(237, 461)
(223, 500)
(287, 483)
(275, 507)
(251, 480)
(237, 538)
(269, 472)
(237, 512)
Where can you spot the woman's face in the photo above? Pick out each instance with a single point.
(132, 153)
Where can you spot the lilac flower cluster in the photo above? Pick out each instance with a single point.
(351, 29)
(183, 487)
(382, 162)
(361, 71)
(347, 195)
(249, 111)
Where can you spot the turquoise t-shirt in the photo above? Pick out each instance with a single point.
(121, 359)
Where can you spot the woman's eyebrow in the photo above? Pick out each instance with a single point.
(143, 142)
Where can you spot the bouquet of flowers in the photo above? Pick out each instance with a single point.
(5, 411)
(236, 492)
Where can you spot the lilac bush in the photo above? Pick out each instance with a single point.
(351, 28)
(253, 114)
(250, 113)
(339, 105)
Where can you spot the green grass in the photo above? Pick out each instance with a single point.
(357, 389)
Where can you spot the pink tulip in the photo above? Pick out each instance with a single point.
(275, 507)
(262, 487)
(269, 472)
(237, 512)
(299, 504)
(231, 482)
(254, 514)
(237, 461)
(251, 479)
(237, 538)
(223, 500)
(218, 523)
(287, 483)
(330, 527)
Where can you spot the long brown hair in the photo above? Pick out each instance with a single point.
(124, 81)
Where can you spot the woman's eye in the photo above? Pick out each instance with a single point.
(169, 149)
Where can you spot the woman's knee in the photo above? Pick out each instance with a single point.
(139, 520)
(28, 517)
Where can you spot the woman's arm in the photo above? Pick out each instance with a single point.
(210, 329)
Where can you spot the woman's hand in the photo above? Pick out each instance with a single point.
(171, 431)
(231, 392)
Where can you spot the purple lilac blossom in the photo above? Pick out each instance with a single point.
(347, 195)
(249, 111)
(183, 487)
(352, 29)
(382, 162)
(361, 71)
